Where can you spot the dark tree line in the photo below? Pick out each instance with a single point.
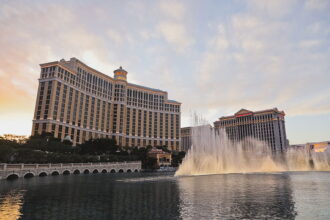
(47, 149)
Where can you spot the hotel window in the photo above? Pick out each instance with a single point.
(114, 122)
(68, 115)
(133, 122)
(53, 128)
(155, 124)
(166, 125)
(66, 131)
(63, 102)
(43, 128)
(177, 126)
(103, 115)
(80, 109)
(36, 127)
(97, 114)
(41, 96)
(108, 117)
(150, 124)
(128, 115)
(75, 105)
(121, 118)
(86, 111)
(172, 126)
(161, 125)
(139, 122)
(57, 97)
(91, 116)
(60, 131)
(144, 123)
(49, 91)
(78, 136)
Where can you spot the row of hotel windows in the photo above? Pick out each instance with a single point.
(103, 88)
(83, 80)
(186, 143)
(256, 128)
(77, 134)
(44, 98)
(143, 99)
(262, 131)
(93, 113)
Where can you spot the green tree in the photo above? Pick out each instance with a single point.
(150, 163)
(99, 146)
(6, 153)
(177, 158)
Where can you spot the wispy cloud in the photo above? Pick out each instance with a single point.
(317, 4)
(256, 61)
(176, 35)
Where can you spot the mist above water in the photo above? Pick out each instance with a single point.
(212, 152)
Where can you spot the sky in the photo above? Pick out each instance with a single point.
(215, 57)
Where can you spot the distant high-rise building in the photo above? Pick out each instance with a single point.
(187, 134)
(78, 102)
(186, 138)
(266, 125)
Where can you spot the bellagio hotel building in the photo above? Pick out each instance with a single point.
(78, 102)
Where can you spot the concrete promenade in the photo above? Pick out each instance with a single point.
(12, 171)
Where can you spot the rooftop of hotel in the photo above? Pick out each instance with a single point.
(70, 65)
(157, 151)
(145, 87)
(243, 112)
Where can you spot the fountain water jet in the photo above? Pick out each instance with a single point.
(212, 152)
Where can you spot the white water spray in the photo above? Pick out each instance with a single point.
(212, 152)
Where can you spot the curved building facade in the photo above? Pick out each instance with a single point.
(78, 102)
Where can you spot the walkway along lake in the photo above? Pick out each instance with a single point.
(13, 171)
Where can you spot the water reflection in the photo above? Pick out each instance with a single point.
(160, 196)
(99, 197)
(253, 196)
(312, 197)
(10, 204)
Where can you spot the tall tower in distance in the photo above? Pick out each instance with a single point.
(120, 74)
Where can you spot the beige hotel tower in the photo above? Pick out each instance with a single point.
(77, 101)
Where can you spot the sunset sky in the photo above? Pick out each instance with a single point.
(215, 57)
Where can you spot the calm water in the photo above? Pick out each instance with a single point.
(303, 195)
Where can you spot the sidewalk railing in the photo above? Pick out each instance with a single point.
(7, 166)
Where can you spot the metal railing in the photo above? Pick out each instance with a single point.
(22, 166)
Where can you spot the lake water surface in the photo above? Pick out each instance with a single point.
(299, 195)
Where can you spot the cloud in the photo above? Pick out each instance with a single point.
(172, 25)
(252, 62)
(310, 43)
(175, 34)
(317, 4)
(278, 8)
(173, 9)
